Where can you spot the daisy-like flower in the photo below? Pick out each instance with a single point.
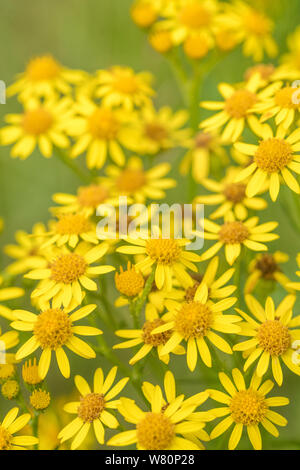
(194, 322)
(233, 234)
(27, 252)
(44, 77)
(42, 124)
(160, 130)
(9, 293)
(274, 156)
(87, 199)
(122, 87)
(100, 131)
(70, 229)
(92, 409)
(266, 267)
(63, 280)
(135, 182)
(52, 329)
(168, 256)
(230, 196)
(281, 104)
(186, 18)
(158, 429)
(9, 426)
(235, 111)
(272, 336)
(247, 407)
(130, 283)
(146, 339)
(255, 30)
(205, 150)
(293, 285)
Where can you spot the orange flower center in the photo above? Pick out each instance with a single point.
(103, 124)
(248, 407)
(37, 122)
(155, 432)
(195, 16)
(68, 268)
(42, 68)
(92, 196)
(235, 192)
(273, 155)
(91, 407)
(232, 233)
(126, 83)
(129, 282)
(156, 131)
(130, 180)
(267, 266)
(53, 328)
(274, 337)
(163, 251)
(73, 224)
(239, 104)
(193, 320)
(157, 339)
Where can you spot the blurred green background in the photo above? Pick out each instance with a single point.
(94, 34)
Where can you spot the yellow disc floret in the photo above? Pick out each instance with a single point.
(53, 328)
(234, 232)
(92, 196)
(68, 268)
(239, 104)
(248, 407)
(130, 180)
(72, 224)
(284, 98)
(195, 16)
(103, 124)
(158, 338)
(91, 407)
(273, 155)
(155, 432)
(143, 14)
(193, 320)
(274, 337)
(42, 68)
(10, 389)
(40, 399)
(6, 371)
(235, 192)
(129, 282)
(30, 372)
(37, 121)
(163, 251)
(5, 439)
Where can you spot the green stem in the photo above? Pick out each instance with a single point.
(72, 165)
(147, 289)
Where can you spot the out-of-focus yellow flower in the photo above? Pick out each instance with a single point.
(157, 131)
(205, 151)
(194, 322)
(135, 182)
(69, 272)
(161, 40)
(235, 111)
(122, 87)
(27, 252)
(92, 409)
(44, 77)
(230, 196)
(51, 330)
(266, 267)
(42, 124)
(146, 339)
(169, 425)
(100, 131)
(9, 293)
(274, 156)
(246, 406)
(272, 331)
(10, 389)
(197, 45)
(145, 12)
(233, 234)
(11, 425)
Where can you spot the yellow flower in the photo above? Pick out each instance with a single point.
(271, 334)
(87, 199)
(136, 183)
(161, 40)
(44, 77)
(234, 234)
(10, 389)
(27, 252)
(40, 399)
(235, 111)
(148, 340)
(197, 45)
(7, 371)
(99, 131)
(92, 409)
(278, 102)
(247, 407)
(70, 229)
(121, 87)
(168, 256)
(230, 196)
(30, 372)
(254, 28)
(293, 285)
(272, 157)
(160, 130)
(206, 150)
(145, 12)
(266, 266)
(158, 429)
(9, 426)
(68, 273)
(9, 293)
(129, 282)
(52, 329)
(42, 124)
(188, 17)
(193, 322)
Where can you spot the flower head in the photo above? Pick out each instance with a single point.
(11, 425)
